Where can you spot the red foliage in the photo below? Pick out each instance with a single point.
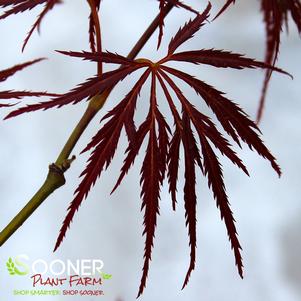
(23, 5)
(162, 5)
(193, 131)
(163, 147)
(92, 27)
(275, 16)
(5, 74)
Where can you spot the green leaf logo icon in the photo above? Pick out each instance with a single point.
(12, 269)
(105, 276)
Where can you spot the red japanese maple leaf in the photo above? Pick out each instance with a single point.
(10, 94)
(275, 15)
(163, 4)
(20, 6)
(162, 155)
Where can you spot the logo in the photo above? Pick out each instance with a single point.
(84, 267)
(59, 277)
(12, 266)
(105, 276)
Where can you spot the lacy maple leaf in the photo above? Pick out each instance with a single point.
(166, 4)
(275, 15)
(163, 144)
(21, 6)
(93, 27)
(10, 94)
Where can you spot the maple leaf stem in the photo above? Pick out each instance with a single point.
(55, 177)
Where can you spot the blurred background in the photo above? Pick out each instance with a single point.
(109, 227)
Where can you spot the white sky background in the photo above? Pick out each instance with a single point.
(267, 209)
